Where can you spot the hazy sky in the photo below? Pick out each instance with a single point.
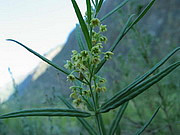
(39, 24)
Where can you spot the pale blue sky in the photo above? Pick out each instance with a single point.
(39, 24)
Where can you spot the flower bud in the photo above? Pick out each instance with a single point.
(95, 22)
(103, 28)
(71, 77)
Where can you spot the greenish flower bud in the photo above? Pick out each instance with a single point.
(102, 80)
(95, 50)
(74, 52)
(94, 41)
(84, 53)
(103, 28)
(74, 95)
(93, 33)
(71, 77)
(77, 101)
(96, 60)
(69, 65)
(103, 39)
(108, 55)
(95, 22)
(86, 93)
(83, 68)
(103, 89)
(99, 45)
(98, 89)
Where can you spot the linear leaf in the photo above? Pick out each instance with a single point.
(125, 31)
(99, 6)
(142, 78)
(88, 4)
(46, 112)
(86, 125)
(147, 124)
(149, 82)
(79, 39)
(93, 3)
(115, 43)
(44, 59)
(41, 57)
(118, 39)
(96, 2)
(82, 23)
(102, 124)
(122, 33)
(141, 15)
(115, 123)
(114, 10)
(122, 98)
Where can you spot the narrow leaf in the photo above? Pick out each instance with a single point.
(79, 39)
(101, 123)
(114, 10)
(148, 83)
(139, 89)
(141, 14)
(117, 119)
(88, 4)
(96, 2)
(41, 57)
(118, 39)
(147, 124)
(93, 3)
(46, 112)
(122, 33)
(86, 125)
(142, 78)
(83, 24)
(125, 31)
(99, 6)
(44, 59)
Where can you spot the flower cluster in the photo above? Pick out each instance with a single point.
(83, 64)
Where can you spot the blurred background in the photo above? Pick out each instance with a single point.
(48, 27)
(41, 25)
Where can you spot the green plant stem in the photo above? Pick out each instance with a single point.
(94, 103)
(99, 124)
(87, 102)
(96, 94)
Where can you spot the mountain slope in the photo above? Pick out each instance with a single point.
(162, 22)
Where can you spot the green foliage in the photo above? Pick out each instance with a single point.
(88, 85)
